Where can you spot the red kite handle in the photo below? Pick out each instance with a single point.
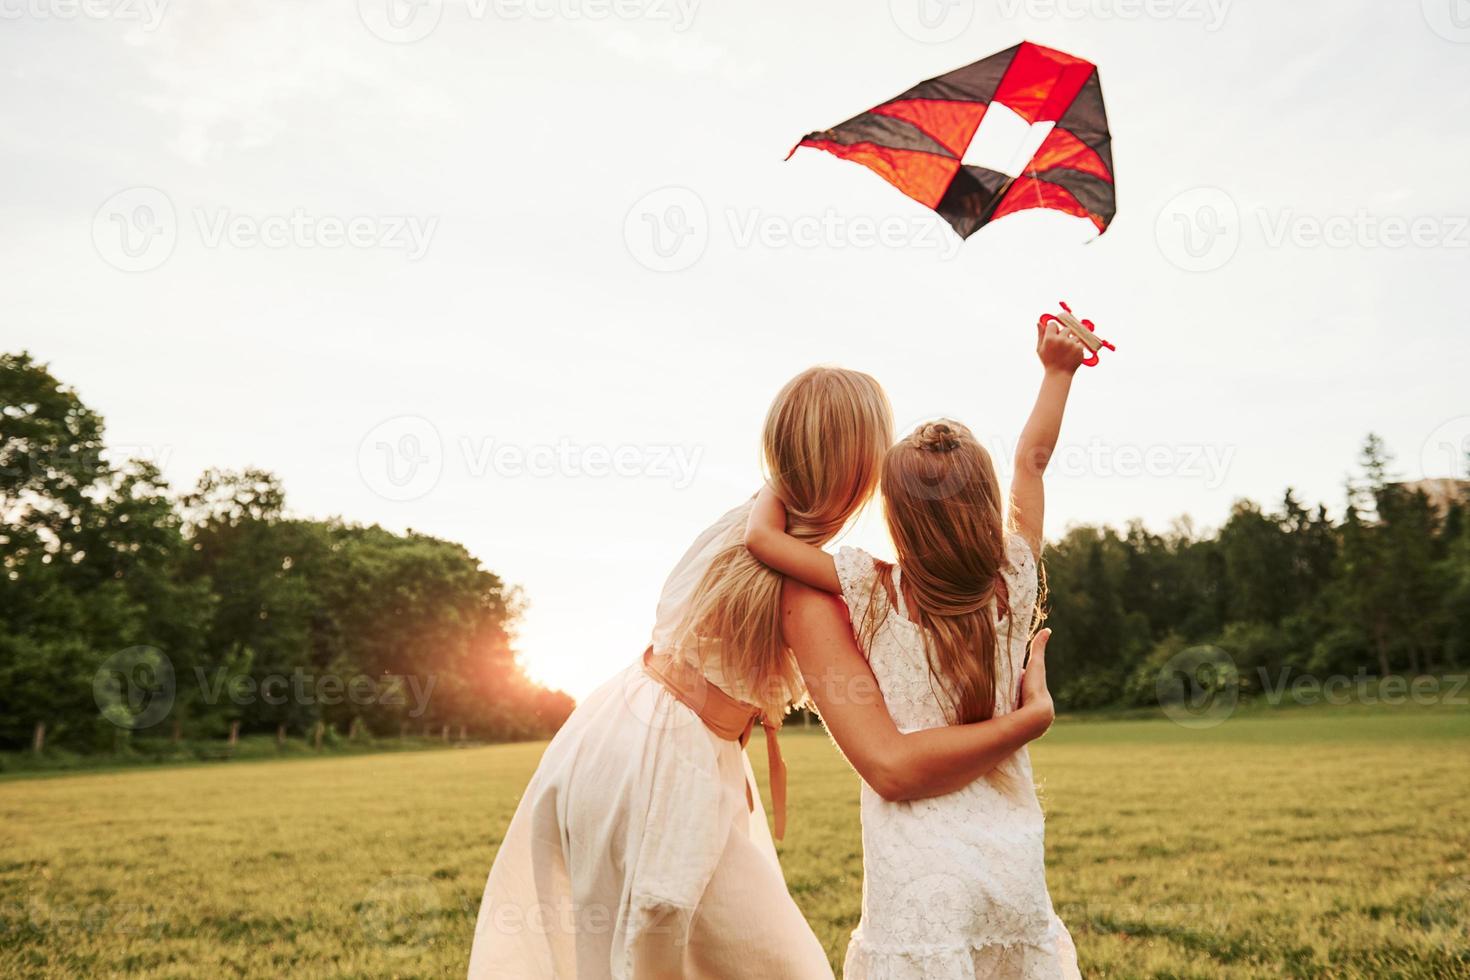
(1083, 330)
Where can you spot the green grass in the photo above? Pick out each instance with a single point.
(155, 752)
(1298, 843)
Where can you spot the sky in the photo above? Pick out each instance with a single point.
(525, 274)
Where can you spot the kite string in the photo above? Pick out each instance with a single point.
(1053, 265)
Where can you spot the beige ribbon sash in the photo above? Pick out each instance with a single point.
(728, 718)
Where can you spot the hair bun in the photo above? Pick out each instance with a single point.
(937, 437)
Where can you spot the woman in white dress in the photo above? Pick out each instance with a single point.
(640, 847)
(954, 887)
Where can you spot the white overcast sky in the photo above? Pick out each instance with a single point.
(499, 307)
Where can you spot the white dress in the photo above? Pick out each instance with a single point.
(953, 886)
(634, 851)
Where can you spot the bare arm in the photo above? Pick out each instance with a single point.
(766, 538)
(1061, 354)
(900, 766)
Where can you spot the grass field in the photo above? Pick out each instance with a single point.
(1300, 843)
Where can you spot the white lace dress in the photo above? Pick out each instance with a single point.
(954, 886)
(634, 853)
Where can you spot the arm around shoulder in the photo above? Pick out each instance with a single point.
(897, 765)
(767, 540)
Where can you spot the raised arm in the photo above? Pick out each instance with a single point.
(898, 765)
(766, 538)
(1061, 354)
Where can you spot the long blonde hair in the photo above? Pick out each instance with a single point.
(823, 445)
(942, 503)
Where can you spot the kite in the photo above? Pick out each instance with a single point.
(1025, 128)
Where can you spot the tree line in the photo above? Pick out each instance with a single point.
(1381, 590)
(128, 609)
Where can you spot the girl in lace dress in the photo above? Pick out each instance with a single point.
(953, 886)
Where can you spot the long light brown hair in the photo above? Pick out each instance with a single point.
(823, 446)
(942, 503)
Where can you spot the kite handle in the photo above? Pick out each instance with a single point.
(1083, 330)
